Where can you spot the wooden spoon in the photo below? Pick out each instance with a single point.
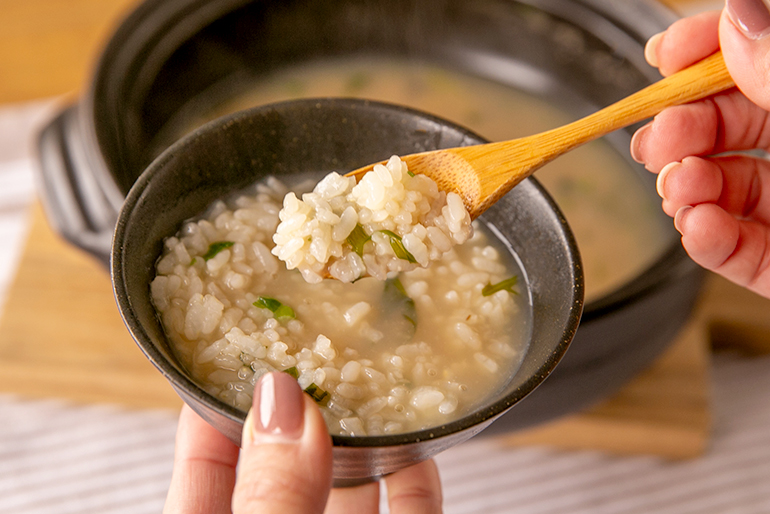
(482, 174)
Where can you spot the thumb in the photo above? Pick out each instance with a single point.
(286, 457)
(744, 36)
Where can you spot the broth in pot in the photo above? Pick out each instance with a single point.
(605, 202)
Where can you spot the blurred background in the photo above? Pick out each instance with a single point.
(88, 424)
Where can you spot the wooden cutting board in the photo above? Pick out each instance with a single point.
(48, 47)
(61, 336)
(663, 411)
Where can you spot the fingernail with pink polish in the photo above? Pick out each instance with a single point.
(636, 143)
(752, 17)
(278, 406)
(680, 216)
(651, 49)
(660, 183)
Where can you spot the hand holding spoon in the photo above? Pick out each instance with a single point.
(482, 174)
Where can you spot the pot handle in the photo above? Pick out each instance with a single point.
(74, 202)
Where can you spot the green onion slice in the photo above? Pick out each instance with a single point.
(357, 239)
(398, 247)
(503, 285)
(215, 248)
(293, 371)
(280, 310)
(395, 294)
(316, 393)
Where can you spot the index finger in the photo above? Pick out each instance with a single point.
(204, 468)
(685, 42)
(415, 490)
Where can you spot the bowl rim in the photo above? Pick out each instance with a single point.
(178, 379)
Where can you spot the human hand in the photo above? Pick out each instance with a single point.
(720, 201)
(285, 464)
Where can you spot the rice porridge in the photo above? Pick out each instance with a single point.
(414, 351)
(391, 220)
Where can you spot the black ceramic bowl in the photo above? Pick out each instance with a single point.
(172, 62)
(321, 136)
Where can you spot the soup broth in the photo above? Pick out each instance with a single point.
(613, 217)
(416, 351)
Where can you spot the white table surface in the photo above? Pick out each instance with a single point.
(57, 457)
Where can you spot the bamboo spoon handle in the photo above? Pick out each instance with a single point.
(700, 80)
(482, 174)
(500, 166)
